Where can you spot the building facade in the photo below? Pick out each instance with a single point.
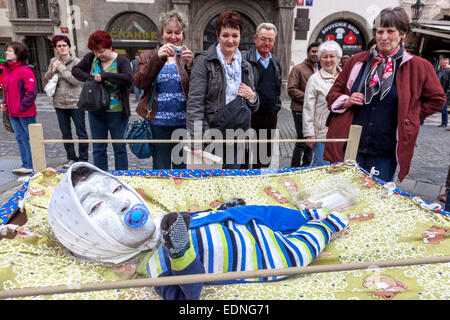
(134, 24)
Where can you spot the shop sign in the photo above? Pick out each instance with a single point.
(118, 35)
(346, 34)
(131, 26)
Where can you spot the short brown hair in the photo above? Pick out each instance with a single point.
(229, 19)
(20, 50)
(393, 17)
(60, 38)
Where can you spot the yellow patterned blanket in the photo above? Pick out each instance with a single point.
(384, 225)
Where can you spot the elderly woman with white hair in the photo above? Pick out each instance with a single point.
(315, 109)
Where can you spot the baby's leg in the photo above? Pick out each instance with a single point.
(183, 258)
(311, 238)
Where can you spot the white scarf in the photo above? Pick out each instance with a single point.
(232, 73)
(77, 232)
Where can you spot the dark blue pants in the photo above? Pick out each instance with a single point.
(162, 152)
(20, 126)
(302, 154)
(385, 165)
(78, 117)
(444, 113)
(115, 123)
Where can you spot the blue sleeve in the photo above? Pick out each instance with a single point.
(277, 218)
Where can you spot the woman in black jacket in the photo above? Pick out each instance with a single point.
(114, 70)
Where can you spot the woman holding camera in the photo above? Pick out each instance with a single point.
(164, 73)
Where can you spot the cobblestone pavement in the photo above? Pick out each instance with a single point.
(426, 178)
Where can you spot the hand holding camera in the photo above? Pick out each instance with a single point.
(170, 51)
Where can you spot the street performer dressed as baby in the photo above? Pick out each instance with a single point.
(98, 217)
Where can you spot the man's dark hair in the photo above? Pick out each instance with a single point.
(312, 45)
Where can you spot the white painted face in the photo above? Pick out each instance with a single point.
(115, 209)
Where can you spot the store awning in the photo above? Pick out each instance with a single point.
(435, 33)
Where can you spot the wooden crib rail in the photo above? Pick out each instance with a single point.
(215, 277)
(37, 143)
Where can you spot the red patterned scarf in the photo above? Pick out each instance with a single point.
(381, 74)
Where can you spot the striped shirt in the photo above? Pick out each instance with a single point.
(252, 238)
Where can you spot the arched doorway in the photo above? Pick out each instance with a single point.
(248, 31)
(133, 33)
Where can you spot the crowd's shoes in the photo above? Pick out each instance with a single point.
(442, 197)
(22, 171)
(67, 164)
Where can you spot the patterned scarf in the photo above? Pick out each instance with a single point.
(381, 74)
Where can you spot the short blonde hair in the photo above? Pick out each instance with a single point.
(330, 45)
(172, 16)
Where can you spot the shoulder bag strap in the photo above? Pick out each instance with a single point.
(366, 71)
(150, 105)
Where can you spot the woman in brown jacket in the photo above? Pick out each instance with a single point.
(165, 71)
(398, 91)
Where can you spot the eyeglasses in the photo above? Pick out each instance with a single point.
(264, 39)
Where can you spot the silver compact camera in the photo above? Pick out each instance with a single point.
(178, 50)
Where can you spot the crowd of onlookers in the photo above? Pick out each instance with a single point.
(385, 89)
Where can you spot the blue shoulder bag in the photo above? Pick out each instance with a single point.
(141, 130)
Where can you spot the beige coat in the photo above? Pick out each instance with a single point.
(68, 89)
(315, 107)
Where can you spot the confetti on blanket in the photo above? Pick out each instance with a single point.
(385, 224)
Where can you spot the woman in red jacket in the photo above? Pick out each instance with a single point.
(19, 84)
(397, 90)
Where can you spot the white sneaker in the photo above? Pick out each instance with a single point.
(21, 171)
(67, 164)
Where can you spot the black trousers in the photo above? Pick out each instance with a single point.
(302, 154)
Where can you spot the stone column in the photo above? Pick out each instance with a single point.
(285, 24)
(182, 6)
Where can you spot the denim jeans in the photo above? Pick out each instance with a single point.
(115, 123)
(78, 117)
(385, 165)
(447, 203)
(20, 126)
(444, 114)
(162, 152)
(137, 92)
(302, 154)
(319, 148)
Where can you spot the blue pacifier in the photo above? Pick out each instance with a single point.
(137, 216)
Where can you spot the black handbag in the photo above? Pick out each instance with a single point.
(140, 130)
(6, 120)
(234, 115)
(94, 96)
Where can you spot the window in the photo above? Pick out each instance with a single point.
(22, 8)
(42, 9)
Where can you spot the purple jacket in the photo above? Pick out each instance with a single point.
(19, 84)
